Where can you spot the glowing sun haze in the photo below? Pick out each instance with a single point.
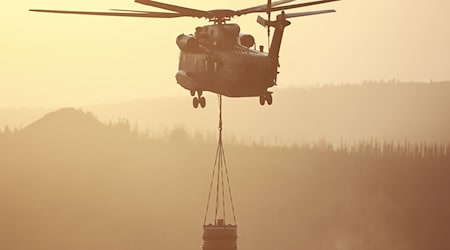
(54, 60)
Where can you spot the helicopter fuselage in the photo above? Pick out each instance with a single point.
(219, 59)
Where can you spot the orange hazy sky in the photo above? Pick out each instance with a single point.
(54, 60)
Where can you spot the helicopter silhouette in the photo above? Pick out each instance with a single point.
(219, 58)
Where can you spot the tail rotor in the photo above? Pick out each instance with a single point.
(269, 11)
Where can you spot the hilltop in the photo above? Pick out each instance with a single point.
(64, 124)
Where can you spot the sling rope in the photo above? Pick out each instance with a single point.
(220, 171)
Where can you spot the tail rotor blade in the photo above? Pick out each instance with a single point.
(262, 21)
(269, 8)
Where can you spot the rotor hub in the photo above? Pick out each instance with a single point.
(220, 16)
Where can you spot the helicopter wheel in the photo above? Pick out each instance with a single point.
(195, 102)
(269, 99)
(262, 100)
(202, 101)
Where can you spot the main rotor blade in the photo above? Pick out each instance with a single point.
(286, 7)
(179, 9)
(264, 6)
(308, 13)
(137, 11)
(125, 14)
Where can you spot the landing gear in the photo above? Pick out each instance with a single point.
(267, 98)
(202, 102)
(195, 102)
(198, 101)
(262, 100)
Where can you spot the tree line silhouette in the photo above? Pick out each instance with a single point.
(368, 148)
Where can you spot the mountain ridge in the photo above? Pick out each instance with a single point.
(415, 112)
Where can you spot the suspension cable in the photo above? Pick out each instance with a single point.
(220, 168)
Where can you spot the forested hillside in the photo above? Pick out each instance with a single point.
(68, 181)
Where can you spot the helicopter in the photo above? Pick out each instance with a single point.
(219, 58)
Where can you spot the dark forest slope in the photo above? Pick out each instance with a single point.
(70, 182)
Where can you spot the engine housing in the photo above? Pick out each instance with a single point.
(246, 40)
(187, 43)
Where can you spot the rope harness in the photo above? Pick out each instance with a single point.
(220, 173)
